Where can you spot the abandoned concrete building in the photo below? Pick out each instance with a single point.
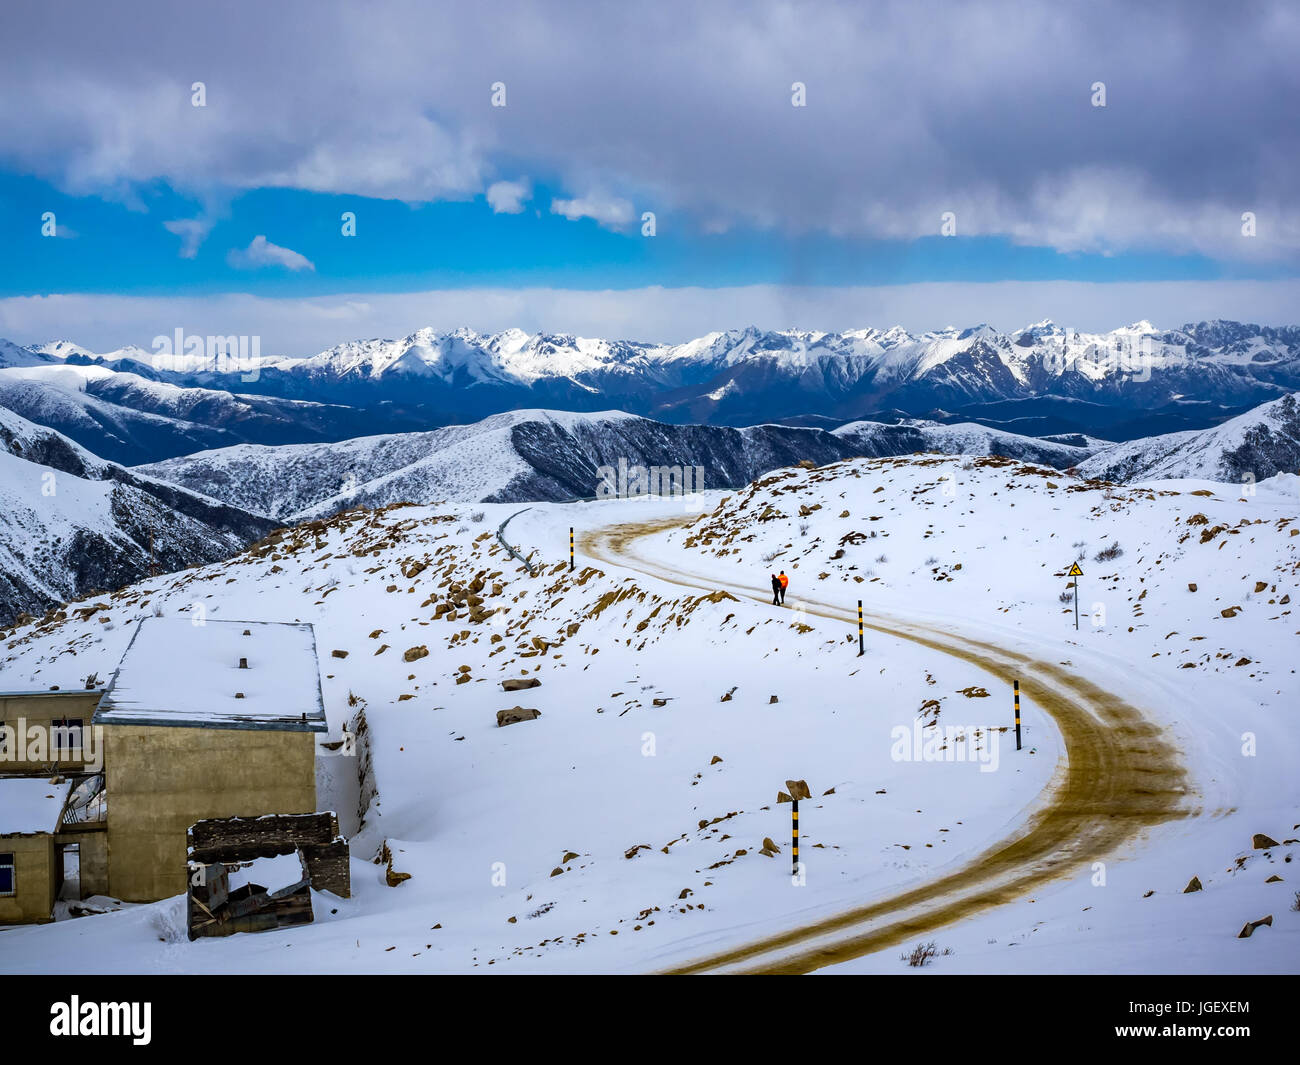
(98, 789)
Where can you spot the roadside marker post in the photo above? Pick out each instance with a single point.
(1017, 689)
(570, 548)
(861, 649)
(797, 789)
(1076, 573)
(794, 828)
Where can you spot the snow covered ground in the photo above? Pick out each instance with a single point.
(613, 834)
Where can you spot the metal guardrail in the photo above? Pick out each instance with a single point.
(501, 529)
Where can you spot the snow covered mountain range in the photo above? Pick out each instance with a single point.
(1042, 379)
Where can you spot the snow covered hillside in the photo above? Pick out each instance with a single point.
(1249, 448)
(876, 440)
(134, 417)
(634, 824)
(548, 456)
(1186, 611)
(71, 523)
(529, 455)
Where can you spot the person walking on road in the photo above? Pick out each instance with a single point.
(784, 582)
(776, 590)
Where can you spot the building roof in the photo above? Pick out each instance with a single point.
(53, 693)
(30, 805)
(179, 674)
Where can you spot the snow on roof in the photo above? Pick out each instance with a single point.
(185, 675)
(30, 804)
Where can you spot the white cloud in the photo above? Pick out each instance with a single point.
(984, 111)
(305, 326)
(192, 231)
(509, 197)
(261, 252)
(610, 211)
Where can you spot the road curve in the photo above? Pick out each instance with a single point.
(1121, 777)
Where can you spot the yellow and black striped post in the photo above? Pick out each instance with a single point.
(1017, 690)
(570, 548)
(861, 649)
(794, 828)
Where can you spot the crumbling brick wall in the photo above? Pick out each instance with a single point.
(241, 839)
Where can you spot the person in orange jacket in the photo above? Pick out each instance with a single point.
(785, 583)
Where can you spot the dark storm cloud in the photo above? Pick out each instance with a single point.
(685, 108)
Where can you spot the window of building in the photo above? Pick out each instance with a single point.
(67, 736)
(7, 886)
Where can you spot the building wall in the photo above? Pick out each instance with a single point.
(41, 709)
(93, 846)
(34, 877)
(162, 779)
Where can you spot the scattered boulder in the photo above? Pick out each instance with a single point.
(715, 759)
(798, 789)
(1260, 586)
(631, 852)
(1274, 879)
(1229, 611)
(515, 684)
(568, 857)
(1191, 587)
(1192, 885)
(659, 702)
(339, 654)
(772, 699)
(516, 714)
(1259, 841)
(1250, 926)
(412, 654)
(770, 849)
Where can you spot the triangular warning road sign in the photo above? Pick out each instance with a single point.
(1075, 571)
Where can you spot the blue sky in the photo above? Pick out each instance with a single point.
(500, 215)
(124, 248)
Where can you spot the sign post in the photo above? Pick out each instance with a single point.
(861, 648)
(570, 548)
(1076, 573)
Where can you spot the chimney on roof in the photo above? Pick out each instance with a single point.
(243, 663)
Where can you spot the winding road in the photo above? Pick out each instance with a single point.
(1120, 778)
